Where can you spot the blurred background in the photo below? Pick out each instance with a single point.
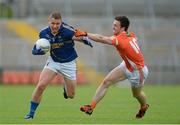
(156, 23)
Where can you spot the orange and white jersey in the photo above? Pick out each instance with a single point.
(128, 48)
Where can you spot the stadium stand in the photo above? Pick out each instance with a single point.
(157, 27)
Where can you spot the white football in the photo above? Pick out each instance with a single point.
(43, 44)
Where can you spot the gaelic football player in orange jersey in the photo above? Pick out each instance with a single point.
(132, 67)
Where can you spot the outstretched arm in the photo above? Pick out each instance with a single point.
(100, 38)
(94, 37)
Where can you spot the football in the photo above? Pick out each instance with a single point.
(43, 44)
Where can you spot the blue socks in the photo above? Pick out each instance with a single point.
(33, 108)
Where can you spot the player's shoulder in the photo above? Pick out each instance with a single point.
(125, 35)
(44, 33)
(44, 30)
(67, 27)
(132, 34)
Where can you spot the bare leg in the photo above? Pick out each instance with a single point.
(70, 87)
(115, 75)
(45, 78)
(139, 95)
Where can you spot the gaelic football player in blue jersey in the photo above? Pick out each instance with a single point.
(62, 59)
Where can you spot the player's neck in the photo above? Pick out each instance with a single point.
(54, 33)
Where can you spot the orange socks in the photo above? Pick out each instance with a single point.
(93, 104)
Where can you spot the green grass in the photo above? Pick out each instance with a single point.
(117, 107)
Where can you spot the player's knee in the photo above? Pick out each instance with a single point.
(106, 82)
(41, 87)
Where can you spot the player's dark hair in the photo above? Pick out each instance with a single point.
(124, 21)
(55, 15)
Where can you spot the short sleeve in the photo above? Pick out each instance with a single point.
(68, 31)
(115, 41)
(42, 35)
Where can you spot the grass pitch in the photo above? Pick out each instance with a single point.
(117, 107)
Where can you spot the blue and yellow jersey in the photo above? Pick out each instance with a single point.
(62, 45)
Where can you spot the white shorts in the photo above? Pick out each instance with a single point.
(68, 69)
(137, 77)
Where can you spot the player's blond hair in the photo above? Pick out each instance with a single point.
(55, 15)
